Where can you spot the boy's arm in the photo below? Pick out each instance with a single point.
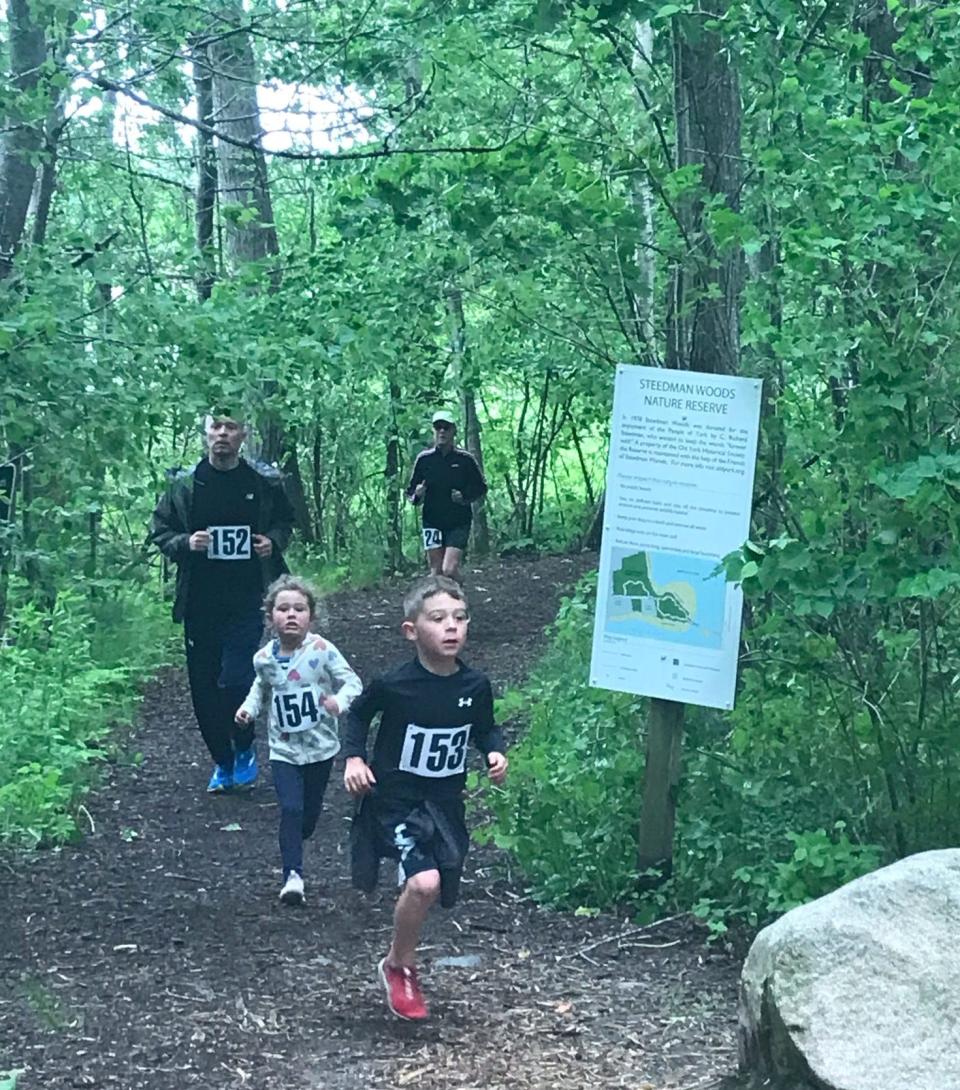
(358, 778)
(488, 736)
(350, 685)
(359, 718)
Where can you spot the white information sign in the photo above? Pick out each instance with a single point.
(683, 446)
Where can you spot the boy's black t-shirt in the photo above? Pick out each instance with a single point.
(225, 498)
(427, 722)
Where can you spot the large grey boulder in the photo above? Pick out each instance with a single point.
(860, 990)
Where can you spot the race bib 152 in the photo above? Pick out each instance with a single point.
(229, 543)
(434, 751)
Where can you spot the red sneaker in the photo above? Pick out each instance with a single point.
(404, 997)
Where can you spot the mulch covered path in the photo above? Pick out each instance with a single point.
(155, 953)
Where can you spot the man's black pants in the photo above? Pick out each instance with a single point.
(220, 668)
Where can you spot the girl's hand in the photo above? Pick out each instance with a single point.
(496, 767)
(331, 705)
(243, 717)
(358, 779)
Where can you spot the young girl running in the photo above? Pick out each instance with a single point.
(306, 684)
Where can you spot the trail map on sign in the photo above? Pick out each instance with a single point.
(676, 598)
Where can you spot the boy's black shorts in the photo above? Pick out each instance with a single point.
(421, 836)
(456, 537)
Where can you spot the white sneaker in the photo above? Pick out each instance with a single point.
(292, 892)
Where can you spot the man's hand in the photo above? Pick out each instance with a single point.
(358, 779)
(496, 767)
(262, 545)
(456, 495)
(199, 541)
(420, 491)
(243, 717)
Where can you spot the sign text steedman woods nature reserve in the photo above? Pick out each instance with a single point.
(679, 485)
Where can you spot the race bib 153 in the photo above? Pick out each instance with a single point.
(229, 543)
(434, 751)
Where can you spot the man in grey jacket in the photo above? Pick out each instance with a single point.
(225, 523)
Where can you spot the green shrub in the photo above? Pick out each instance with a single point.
(66, 679)
(752, 814)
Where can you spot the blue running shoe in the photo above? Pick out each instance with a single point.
(221, 780)
(245, 768)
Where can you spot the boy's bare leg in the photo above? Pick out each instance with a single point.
(411, 911)
(451, 563)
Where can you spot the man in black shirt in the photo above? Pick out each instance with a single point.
(411, 793)
(446, 480)
(225, 523)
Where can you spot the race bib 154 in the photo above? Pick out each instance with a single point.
(298, 709)
(229, 543)
(434, 751)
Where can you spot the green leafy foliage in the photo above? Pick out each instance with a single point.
(65, 685)
(748, 843)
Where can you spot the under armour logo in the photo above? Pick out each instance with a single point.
(465, 702)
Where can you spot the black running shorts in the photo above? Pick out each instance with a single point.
(454, 538)
(420, 836)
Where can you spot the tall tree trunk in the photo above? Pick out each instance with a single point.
(43, 193)
(703, 333)
(471, 422)
(243, 170)
(393, 558)
(23, 138)
(642, 197)
(297, 493)
(244, 189)
(206, 174)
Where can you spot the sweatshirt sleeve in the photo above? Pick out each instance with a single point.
(476, 486)
(167, 532)
(487, 736)
(344, 677)
(415, 478)
(359, 718)
(258, 696)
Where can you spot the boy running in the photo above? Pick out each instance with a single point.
(411, 793)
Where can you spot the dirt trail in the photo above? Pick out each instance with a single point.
(155, 954)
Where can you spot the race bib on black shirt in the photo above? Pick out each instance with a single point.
(434, 751)
(229, 543)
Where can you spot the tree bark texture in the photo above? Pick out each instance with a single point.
(703, 334)
(24, 137)
(705, 303)
(471, 422)
(243, 170)
(206, 174)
